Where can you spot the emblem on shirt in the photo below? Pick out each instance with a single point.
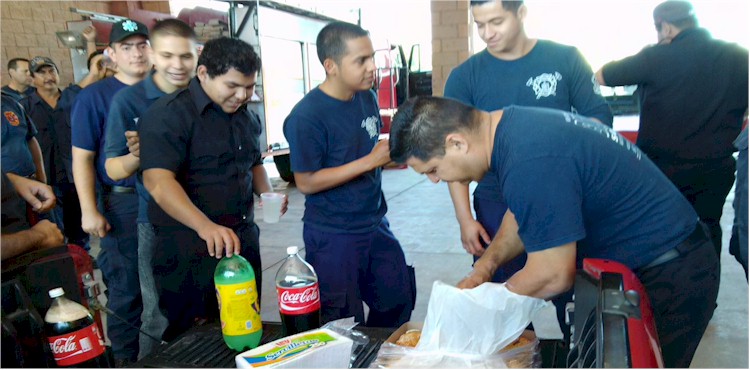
(545, 84)
(371, 125)
(129, 26)
(12, 118)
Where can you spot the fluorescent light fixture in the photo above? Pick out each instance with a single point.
(71, 40)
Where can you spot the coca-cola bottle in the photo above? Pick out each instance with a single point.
(298, 293)
(72, 333)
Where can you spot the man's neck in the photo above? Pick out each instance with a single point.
(129, 80)
(518, 51)
(336, 90)
(49, 95)
(491, 121)
(17, 87)
(163, 85)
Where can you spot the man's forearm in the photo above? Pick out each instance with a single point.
(547, 273)
(261, 182)
(84, 177)
(460, 197)
(36, 155)
(20, 242)
(328, 178)
(122, 167)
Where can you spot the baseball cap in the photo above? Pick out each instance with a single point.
(39, 62)
(126, 28)
(672, 11)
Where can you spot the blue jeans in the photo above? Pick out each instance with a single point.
(368, 267)
(153, 322)
(118, 261)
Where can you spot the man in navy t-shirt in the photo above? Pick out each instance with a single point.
(575, 189)
(514, 69)
(337, 159)
(113, 219)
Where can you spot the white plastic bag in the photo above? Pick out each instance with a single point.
(479, 321)
(468, 328)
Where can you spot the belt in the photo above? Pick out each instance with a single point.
(120, 189)
(696, 236)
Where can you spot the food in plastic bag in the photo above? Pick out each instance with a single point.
(523, 353)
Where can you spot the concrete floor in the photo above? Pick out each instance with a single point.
(422, 218)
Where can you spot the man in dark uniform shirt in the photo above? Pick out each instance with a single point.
(693, 91)
(201, 163)
(49, 109)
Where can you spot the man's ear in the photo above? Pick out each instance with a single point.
(456, 141)
(202, 73)
(330, 66)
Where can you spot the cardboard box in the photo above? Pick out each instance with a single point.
(314, 349)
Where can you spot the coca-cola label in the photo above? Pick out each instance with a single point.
(298, 301)
(77, 347)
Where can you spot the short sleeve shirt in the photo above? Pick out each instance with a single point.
(53, 135)
(567, 178)
(88, 121)
(212, 153)
(551, 75)
(128, 105)
(324, 132)
(17, 130)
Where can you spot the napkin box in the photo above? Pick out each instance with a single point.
(314, 349)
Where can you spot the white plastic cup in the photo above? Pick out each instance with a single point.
(271, 207)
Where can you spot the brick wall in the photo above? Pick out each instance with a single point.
(27, 28)
(451, 45)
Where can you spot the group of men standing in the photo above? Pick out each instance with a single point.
(556, 187)
(165, 153)
(181, 175)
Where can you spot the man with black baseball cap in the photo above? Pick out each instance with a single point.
(116, 226)
(693, 92)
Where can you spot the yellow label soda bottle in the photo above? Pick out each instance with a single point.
(238, 303)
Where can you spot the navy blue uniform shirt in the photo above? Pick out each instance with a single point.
(568, 178)
(16, 95)
(128, 106)
(17, 130)
(53, 125)
(211, 152)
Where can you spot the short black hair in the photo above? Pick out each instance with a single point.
(421, 124)
(172, 27)
(222, 54)
(13, 63)
(331, 41)
(88, 62)
(509, 5)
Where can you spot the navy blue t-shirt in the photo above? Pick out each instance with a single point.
(568, 178)
(88, 122)
(551, 75)
(17, 131)
(128, 106)
(324, 132)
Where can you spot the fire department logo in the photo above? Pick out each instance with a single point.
(545, 84)
(129, 26)
(12, 118)
(371, 125)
